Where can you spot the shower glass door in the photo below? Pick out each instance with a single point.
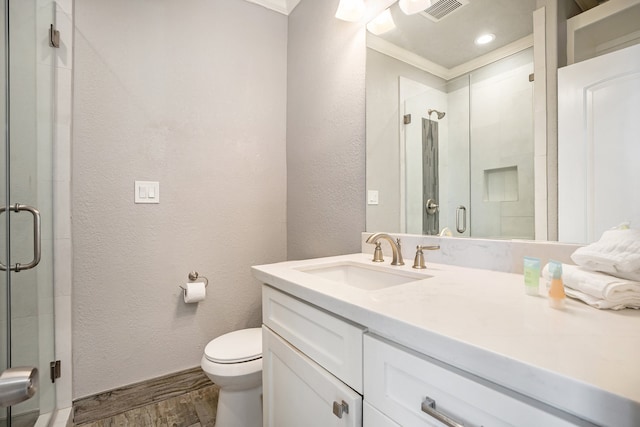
(501, 149)
(26, 295)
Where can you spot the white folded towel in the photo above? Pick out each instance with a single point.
(598, 289)
(616, 253)
(602, 304)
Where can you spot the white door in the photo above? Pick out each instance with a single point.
(599, 145)
(299, 392)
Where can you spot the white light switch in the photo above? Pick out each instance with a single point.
(147, 192)
(372, 197)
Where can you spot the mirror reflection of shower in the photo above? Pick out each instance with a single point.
(430, 174)
(439, 114)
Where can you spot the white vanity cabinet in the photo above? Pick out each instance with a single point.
(412, 389)
(312, 365)
(466, 341)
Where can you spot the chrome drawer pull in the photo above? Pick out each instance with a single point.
(429, 408)
(340, 408)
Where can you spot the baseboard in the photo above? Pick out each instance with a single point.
(116, 401)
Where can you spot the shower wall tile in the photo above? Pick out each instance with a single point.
(540, 197)
(517, 227)
(24, 301)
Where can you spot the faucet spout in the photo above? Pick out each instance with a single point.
(396, 248)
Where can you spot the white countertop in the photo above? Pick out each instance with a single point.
(582, 360)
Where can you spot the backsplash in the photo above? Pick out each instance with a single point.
(496, 255)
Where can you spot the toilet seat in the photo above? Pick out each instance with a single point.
(235, 347)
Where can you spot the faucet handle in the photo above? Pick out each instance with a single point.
(418, 261)
(377, 253)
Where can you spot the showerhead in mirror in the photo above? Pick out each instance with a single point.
(440, 114)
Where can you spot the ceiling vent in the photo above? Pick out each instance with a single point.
(442, 8)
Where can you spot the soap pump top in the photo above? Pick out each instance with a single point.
(556, 291)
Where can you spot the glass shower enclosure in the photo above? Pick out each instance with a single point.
(26, 210)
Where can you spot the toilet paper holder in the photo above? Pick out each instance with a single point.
(193, 277)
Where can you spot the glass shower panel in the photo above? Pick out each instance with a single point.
(502, 150)
(28, 172)
(454, 159)
(4, 201)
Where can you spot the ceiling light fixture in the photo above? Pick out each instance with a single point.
(485, 38)
(410, 7)
(351, 10)
(382, 23)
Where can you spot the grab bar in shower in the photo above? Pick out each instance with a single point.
(17, 267)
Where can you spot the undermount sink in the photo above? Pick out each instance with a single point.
(362, 276)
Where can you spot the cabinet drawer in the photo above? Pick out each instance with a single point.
(333, 343)
(371, 417)
(398, 381)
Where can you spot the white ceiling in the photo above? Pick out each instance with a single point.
(450, 42)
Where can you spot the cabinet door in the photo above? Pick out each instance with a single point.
(299, 392)
(333, 343)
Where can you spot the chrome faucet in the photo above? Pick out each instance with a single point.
(396, 248)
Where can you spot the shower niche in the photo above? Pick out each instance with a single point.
(501, 185)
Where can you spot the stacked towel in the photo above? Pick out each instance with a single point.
(616, 253)
(598, 289)
(608, 271)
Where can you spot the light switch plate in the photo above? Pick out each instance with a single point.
(147, 192)
(372, 197)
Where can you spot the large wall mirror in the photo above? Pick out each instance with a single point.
(450, 123)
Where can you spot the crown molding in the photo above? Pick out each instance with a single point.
(281, 6)
(389, 49)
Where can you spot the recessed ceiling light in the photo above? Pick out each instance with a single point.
(485, 38)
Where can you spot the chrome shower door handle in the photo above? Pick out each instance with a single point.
(463, 228)
(37, 251)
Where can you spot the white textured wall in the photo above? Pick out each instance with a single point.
(191, 94)
(325, 132)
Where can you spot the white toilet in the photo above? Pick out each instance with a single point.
(233, 361)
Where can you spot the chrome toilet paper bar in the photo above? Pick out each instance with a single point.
(193, 277)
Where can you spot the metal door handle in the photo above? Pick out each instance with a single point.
(429, 408)
(36, 237)
(339, 408)
(431, 206)
(464, 219)
(17, 385)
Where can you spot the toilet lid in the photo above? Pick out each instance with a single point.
(235, 347)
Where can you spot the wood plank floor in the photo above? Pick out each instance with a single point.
(194, 409)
